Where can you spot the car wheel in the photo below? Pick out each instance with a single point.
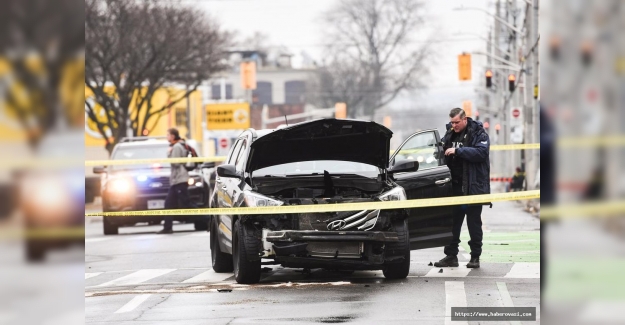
(222, 262)
(35, 252)
(201, 225)
(109, 227)
(245, 248)
(398, 270)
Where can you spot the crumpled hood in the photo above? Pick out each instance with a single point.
(324, 139)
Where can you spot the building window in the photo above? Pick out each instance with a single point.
(216, 91)
(262, 94)
(295, 91)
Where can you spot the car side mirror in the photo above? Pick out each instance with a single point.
(431, 142)
(227, 171)
(99, 170)
(208, 165)
(404, 166)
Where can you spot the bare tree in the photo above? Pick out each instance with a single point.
(371, 58)
(41, 64)
(138, 48)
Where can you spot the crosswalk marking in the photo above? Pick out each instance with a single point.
(91, 275)
(506, 299)
(208, 276)
(524, 270)
(137, 277)
(450, 272)
(132, 304)
(455, 296)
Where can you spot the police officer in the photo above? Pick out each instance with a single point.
(467, 147)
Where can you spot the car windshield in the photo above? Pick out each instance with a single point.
(318, 167)
(136, 152)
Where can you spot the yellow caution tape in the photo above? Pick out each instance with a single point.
(526, 146)
(601, 141)
(584, 210)
(407, 204)
(43, 233)
(152, 161)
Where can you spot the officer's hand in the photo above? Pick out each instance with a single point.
(450, 151)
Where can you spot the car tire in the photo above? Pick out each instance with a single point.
(109, 227)
(246, 243)
(221, 262)
(398, 270)
(35, 252)
(200, 225)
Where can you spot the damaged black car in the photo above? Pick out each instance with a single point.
(328, 161)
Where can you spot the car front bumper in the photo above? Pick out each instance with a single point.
(331, 236)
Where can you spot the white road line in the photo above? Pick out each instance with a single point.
(454, 297)
(137, 277)
(96, 239)
(450, 272)
(467, 256)
(91, 275)
(506, 299)
(208, 276)
(132, 304)
(524, 270)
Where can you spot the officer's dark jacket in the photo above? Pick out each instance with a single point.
(475, 156)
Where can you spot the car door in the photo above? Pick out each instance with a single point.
(430, 226)
(223, 198)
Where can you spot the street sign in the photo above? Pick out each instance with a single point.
(223, 143)
(516, 113)
(229, 116)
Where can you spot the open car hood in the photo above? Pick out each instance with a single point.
(323, 139)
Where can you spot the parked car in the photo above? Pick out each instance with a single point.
(328, 161)
(145, 186)
(51, 196)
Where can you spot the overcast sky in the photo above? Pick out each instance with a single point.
(298, 25)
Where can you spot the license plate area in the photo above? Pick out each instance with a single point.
(156, 204)
(336, 249)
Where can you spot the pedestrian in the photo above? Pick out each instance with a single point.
(467, 145)
(178, 195)
(518, 179)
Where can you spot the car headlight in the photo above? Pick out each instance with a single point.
(194, 181)
(256, 200)
(119, 186)
(46, 192)
(396, 194)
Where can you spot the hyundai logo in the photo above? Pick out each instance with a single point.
(336, 225)
(156, 184)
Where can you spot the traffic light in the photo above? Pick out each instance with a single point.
(511, 81)
(586, 53)
(554, 48)
(467, 107)
(464, 66)
(536, 91)
(248, 75)
(497, 128)
(489, 78)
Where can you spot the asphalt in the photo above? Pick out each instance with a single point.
(139, 277)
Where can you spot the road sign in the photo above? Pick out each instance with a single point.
(229, 116)
(223, 143)
(516, 113)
